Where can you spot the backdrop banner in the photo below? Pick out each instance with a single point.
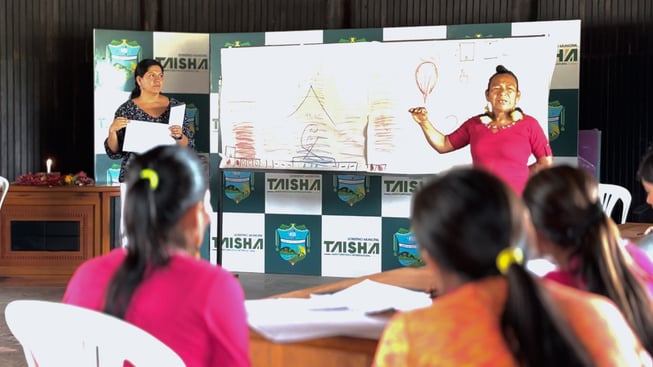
(311, 152)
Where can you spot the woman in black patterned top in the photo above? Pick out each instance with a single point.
(146, 103)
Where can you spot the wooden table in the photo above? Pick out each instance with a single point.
(633, 231)
(335, 351)
(85, 209)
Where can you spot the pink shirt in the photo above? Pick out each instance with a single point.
(642, 267)
(195, 308)
(506, 152)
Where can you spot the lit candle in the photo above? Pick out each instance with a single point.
(48, 165)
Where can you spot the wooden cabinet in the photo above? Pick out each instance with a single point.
(52, 230)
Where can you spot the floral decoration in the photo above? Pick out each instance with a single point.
(515, 116)
(54, 179)
(486, 119)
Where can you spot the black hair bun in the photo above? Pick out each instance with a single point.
(502, 69)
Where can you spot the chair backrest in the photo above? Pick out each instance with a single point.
(55, 334)
(610, 194)
(4, 187)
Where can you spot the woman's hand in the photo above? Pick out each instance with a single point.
(176, 132)
(436, 139)
(419, 114)
(117, 124)
(540, 164)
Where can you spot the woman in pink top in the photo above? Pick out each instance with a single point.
(502, 139)
(586, 246)
(157, 282)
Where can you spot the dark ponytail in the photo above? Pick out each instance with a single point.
(162, 185)
(443, 212)
(536, 333)
(564, 207)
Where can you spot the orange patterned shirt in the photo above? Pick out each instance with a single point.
(462, 328)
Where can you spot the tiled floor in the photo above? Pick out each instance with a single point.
(51, 289)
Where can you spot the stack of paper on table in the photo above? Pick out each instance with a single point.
(353, 311)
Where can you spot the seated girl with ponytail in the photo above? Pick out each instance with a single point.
(586, 246)
(471, 229)
(158, 282)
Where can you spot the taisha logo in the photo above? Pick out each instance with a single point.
(294, 184)
(351, 188)
(404, 248)
(242, 243)
(238, 185)
(353, 247)
(556, 119)
(351, 39)
(184, 63)
(567, 54)
(293, 242)
(236, 43)
(402, 186)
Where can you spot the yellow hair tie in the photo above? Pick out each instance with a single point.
(507, 257)
(151, 176)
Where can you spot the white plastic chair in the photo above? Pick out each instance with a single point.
(55, 334)
(4, 187)
(610, 194)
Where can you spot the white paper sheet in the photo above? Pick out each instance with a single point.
(370, 297)
(141, 136)
(177, 114)
(350, 312)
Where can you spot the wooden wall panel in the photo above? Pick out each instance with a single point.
(46, 80)
(396, 13)
(14, 121)
(615, 87)
(46, 61)
(208, 16)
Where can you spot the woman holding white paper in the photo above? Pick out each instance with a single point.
(146, 103)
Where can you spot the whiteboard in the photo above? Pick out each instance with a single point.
(344, 107)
